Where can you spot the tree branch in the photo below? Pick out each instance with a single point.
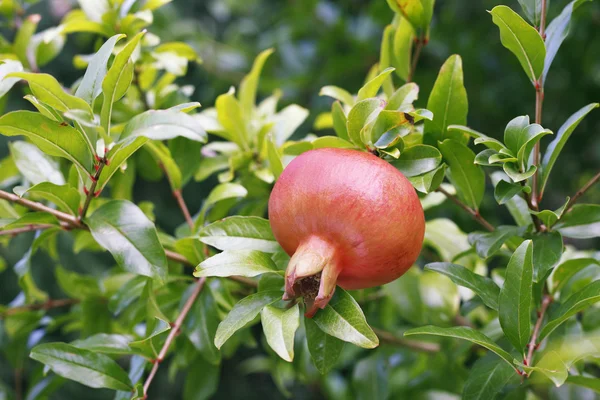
(173, 333)
(35, 206)
(28, 228)
(533, 345)
(47, 305)
(582, 191)
(184, 210)
(91, 192)
(474, 213)
(420, 41)
(389, 338)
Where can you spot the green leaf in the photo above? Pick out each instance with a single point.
(557, 32)
(117, 78)
(280, 327)
(429, 181)
(387, 122)
(65, 197)
(402, 49)
(568, 269)
(412, 10)
(339, 120)
(556, 146)
(405, 95)
(343, 319)
(371, 88)
(286, 121)
(247, 95)
(240, 233)
(201, 381)
(581, 222)
(91, 83)
(465, 333)
(30, 218)
(117, 157)
(331, 142)
(162, 125)
(363, 113)
(467, 178)
(338, 94)
(488, 243)
(236, 262)
(487, 378)
(124, 230)
(47, 89)
(547, 250)
(448, 102)
(274, 158)
(7, 67)
(482, 286)
(163, 157)
(50, 136)
(516, 174)
(480, 138)
(533, 10)
(34, 165)
(418, 160)
(552, 366)
(106, 343)
(23, 37)
(371, 378)
(200, 326)
(243, 313)
(77, 286)
(522, 39)
(584, 381)
(230, 116)
(504, 191)
(514, 311)
(83, 366)
(220, 192)
(324, 349)
(577, 302)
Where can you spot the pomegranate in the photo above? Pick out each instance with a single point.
(346, 217)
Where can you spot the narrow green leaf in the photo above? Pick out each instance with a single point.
(343, 319)
(362, 114)
(487, 379)
(231, 117)
(522, 39)
(34, 165)
(163, 157)
(556, 146)
(429, 181)
(577, 302)
(417, 160)
(480, 138)
(482, 286)
(488, 243)
(514, 311)
(240, 233)
(23, 37)
(280, 327)
(371, 88)
(7, 67)
(124, 230)
(533, 10)
(412, 10)
(91, 83)
(117, 158)
(331, 142)
(162, 125)
(30, 218)
(516, 174)
(551, 365)
(581, 222)
(221, 192)
(339, 94)
(247, 94)
(324, 349)
(200, 326)
(83, 366)
(448, 102)
(405, 95)
(547, 250)
(65, 197)
(467, 178)
(465, 333)
(50, 136)
(118, 75)
(402, 48)
(504, 191)
(568, 269)
(339, 120)
(106, 343)
(275, 162)
(584, 381)
(243, 313)
(236, 262)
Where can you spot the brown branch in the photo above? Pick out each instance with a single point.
(536, 221)
(35, 206)
(173, 333)
(28, 228)
(389, 338)
(582, 191)
(474, 213)
(185, 211)
(47, 305)
(533, 345)
(91, 192)
(420, 41)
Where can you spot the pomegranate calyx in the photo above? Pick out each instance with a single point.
(312, 274)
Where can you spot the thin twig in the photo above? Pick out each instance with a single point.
(536, 221)
(420, 42)
(582, 191)
(389, 338)
(19, 383)
(28, 228)
(35, 206)
(91, 192)
(173, 333)
(474, 213)
(47, 305)
(533, 345)
(184, 209)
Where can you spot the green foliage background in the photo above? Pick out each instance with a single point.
(322, 43)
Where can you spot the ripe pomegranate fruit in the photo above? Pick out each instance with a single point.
(346, 217)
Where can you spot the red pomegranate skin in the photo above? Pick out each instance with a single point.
(348, 215)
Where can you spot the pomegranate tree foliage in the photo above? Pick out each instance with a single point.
(517, 304)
